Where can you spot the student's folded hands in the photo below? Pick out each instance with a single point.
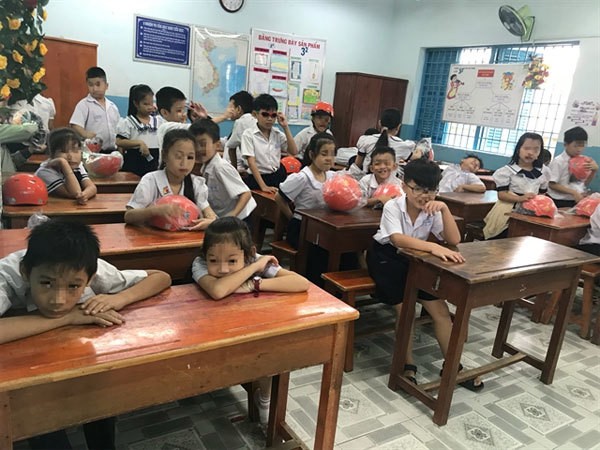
(100, 304)
(103, 319)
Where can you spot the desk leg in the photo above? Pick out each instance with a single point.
(331, 387)
(558, 332)
(303, 246)
(277, 409)
(5, 427)
(458, 336)
(333, 263)
(508, 308)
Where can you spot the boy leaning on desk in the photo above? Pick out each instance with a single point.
(58, 281)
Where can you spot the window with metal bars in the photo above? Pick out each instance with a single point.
(541, 111)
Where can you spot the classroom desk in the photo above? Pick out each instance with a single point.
(33, 162)
(336, 232)
(119, 183)
(489, 182)
(471, 206)
(495, 271)
(565, 229)
(103, 208)
(175, 345)
(131, 247)
(266, 214)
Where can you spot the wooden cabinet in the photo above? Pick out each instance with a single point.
(359, 100)
(66, 63)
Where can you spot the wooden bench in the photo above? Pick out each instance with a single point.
(283, 250)
(589, 273)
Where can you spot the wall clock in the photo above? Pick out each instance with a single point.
(232, 6)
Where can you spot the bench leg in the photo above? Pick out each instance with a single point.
(350, 300)
(586, 307)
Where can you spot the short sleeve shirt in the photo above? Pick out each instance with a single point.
(131, 128)
(15, 291)
(155, 185)
(55, 179)
(593, 233)
(304, 190)
(518, 181)
(267, 152)
(559, 173)
(366, 145)
(395, 219)
(224, 187)
(454, 176)
(368, 183)
(200, 269)
(102, 120)
(303, 138)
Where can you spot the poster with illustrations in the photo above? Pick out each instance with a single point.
(488, 95)
(219, 67)
(288, 67)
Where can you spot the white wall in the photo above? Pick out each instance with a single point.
(356, 31)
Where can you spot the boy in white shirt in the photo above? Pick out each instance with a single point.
(95, 116)
(462, 178)
(321, 115)
(262, 146)
(240, 104)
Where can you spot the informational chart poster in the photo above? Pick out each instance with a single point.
(488, 95)
(583, 113)
(160, 41)
(288, 67)
(219, 67)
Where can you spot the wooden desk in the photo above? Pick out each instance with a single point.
(565, 229)
(489, 182)
(33, 162)
(131, 247)
(104, 208)
(471, 206)
(119, 183)
(265, 215)
(336, 232)
(495, 271)
(175, 345)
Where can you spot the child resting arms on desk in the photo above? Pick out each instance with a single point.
(228, 263)
(406, 222)
(41, 287)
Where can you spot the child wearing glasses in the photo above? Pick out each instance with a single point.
(262, 146)
(406, 222)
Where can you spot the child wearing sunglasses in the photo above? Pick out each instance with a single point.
(406, 222)
(263, 145)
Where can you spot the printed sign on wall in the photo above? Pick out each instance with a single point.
(160, 41)
(288, 67)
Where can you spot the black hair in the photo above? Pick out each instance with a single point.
(371, 131)
(136, 93)
(59, 138)
(546, 156)
(390, 119)
(575, 134)
(471, 155)
(266, 102)
(243, 99)
(167, 96)
(172, 137)
(383, 151)
(314, 147)
(536, 137)
(229, 230)
(61, 243)
(426, 174)
(95, 72)
(205, 126)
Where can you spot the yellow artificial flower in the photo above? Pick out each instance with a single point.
(3, 62)
(17, 56)
(44, 14)
(43, 49)
(13, 83)
(38, 75)
(1, 26)
(5, 91)
(14, 24)
(34, 44)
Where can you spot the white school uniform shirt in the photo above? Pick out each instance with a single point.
(15, 291)
(558, 172)
(366, 145)
(200, 269)
(224, 187)
(303, 138)
(592, 236)
(163, 129)
(368, 183)
(245, 122)
(395, 219)
(155, 185)
(304, 190)
(453, 176)
(55, 179)
(266, 151)
(92, 116)
(131, 128)
(514, 179)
